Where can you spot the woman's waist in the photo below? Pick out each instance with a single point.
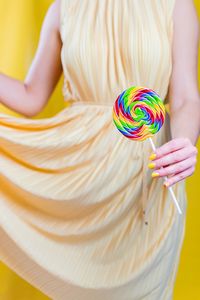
(73, 101)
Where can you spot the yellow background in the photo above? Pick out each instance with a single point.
(20, 23)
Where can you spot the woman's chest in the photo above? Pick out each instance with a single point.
(116, 41)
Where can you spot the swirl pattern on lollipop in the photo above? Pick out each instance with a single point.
(138, 113)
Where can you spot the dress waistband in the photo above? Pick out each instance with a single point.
(79, 102)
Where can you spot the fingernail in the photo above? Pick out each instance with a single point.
(155, 174)
(151, 166)
(152, 156)
(166, 184)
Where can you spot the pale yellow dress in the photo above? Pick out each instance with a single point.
(72, 188)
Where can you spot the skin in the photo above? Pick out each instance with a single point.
(31, 96)
(176, 158)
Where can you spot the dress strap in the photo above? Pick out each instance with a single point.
(63, 6)
(169, 12)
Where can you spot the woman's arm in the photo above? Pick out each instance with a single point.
(183, 92)
(29, 97)
(178, 156)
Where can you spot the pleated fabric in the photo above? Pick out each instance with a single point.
(80, 216)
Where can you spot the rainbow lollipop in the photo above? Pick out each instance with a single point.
(138, 114)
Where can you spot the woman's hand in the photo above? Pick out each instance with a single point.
(30, 96)
(176, 159)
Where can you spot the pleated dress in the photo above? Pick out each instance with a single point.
(80, 216)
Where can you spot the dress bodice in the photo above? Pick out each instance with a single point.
(110, 45)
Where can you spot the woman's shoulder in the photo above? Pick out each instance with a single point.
(55, 9)
(53, 13)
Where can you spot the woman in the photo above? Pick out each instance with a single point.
(81, 217)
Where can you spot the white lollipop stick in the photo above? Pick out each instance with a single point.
(170, 188)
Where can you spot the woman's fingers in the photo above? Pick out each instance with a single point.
(174, 157)
(172, 146)
(175, 160)
(177, 167)
(180, 176)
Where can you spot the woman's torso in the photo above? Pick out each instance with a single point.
(110, 45)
